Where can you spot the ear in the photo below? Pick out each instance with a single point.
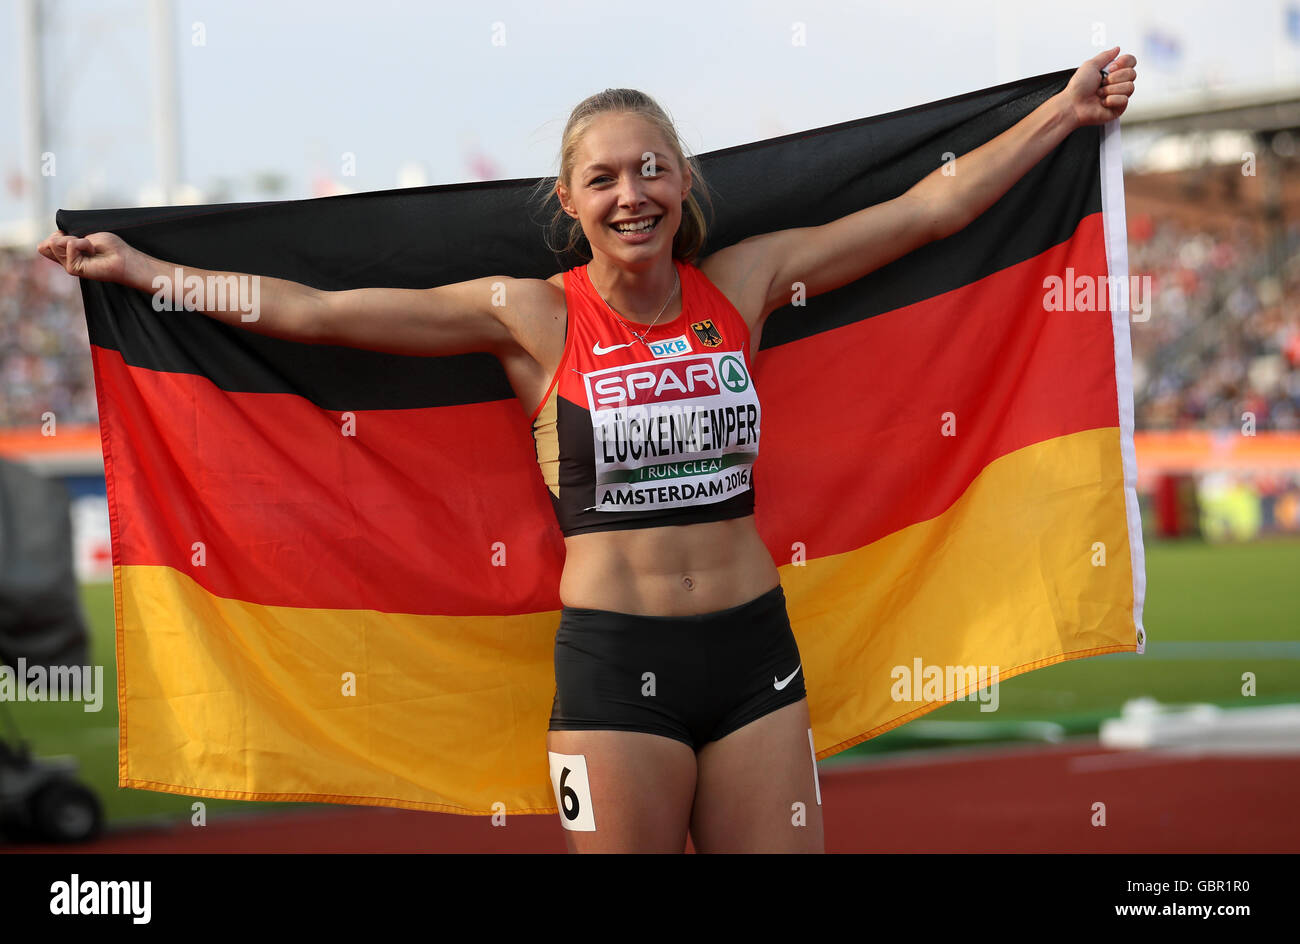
(562, 192)
(686, 174)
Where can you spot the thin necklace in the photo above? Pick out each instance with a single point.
(677, 281)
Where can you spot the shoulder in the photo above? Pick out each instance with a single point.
(743, 272)
(533, 311)
(526, 299)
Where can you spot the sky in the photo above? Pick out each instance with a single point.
(413, 89)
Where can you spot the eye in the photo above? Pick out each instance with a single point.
(658, 172)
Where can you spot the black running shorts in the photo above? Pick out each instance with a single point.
(693, 678)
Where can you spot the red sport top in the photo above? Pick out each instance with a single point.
(634, 434)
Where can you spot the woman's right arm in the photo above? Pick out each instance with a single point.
(449, 319)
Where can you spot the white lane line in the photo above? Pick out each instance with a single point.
(1210, 650)
(920, 757)
(1171, 755)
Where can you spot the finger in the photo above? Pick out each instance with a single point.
(73, 255)
(1102, 58)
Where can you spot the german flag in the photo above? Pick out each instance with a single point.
(336, 571)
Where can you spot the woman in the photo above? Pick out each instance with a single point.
(635, 370)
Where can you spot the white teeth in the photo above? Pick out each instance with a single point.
(636, 227)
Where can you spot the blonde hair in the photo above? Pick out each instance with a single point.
(690, 236)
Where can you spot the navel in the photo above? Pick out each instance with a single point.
(688, 583)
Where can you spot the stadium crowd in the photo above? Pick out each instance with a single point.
(1223, 334)
(1222, 339)
(44, 353)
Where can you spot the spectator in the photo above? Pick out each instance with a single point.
(1223, 337)
(44, 353)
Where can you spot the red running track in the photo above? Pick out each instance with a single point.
(1011, 799)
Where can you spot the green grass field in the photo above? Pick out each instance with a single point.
(1196, 593)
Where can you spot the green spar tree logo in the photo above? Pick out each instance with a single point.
(732, 374)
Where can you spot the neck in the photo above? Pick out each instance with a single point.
(637, 294)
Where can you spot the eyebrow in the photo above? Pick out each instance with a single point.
(601, 165)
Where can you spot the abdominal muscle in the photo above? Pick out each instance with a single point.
(679, 570)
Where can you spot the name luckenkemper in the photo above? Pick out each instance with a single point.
(629, 434)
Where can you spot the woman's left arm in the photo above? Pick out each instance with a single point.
(823, 258)
(989, 171)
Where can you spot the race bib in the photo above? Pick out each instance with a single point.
(673, 433)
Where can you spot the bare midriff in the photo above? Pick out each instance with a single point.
(679, 570)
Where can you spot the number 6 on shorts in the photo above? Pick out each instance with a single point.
(572, 791)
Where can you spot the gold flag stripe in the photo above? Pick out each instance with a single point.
(422, 703)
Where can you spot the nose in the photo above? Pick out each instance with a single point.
(631, 192)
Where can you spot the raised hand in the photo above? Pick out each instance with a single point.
(99, 256)
(1095, 98)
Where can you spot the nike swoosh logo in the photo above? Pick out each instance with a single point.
(786, 681)
(597, 349)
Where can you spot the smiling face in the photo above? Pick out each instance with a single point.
(624, 172)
